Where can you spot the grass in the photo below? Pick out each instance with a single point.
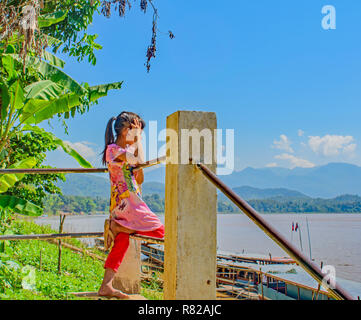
(24, 277)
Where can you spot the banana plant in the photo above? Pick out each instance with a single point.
(54, 93)
(34, 89)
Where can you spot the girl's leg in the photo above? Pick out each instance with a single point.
(107, 289)
(158, 233)
(112, 264)
(114, 259)
(116, 255)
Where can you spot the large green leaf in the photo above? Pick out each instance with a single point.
(66, 147)
(53, 59)
(44, 90)
(70, 151)
(8, 64)
(99, 91)
(5, 99)
(17, 95)
(20, 206)
(50, 72)
(8, 180)
(37, 110)
(46, 20)
(52, 41)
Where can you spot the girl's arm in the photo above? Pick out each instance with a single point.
(131, 158)
(139, 176)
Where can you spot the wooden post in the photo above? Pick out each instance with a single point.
(62, 218)
(190, 208)
(40, 259)
(260, 272)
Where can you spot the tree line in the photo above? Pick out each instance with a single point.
(56, 203)
(297, 206)
(53, 204)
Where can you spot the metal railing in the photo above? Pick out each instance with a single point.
(144, 165)
(59, 236)
(311, 268)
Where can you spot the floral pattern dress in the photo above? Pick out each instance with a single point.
(127, 207)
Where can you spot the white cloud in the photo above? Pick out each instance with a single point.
(350, 149)
(300, 133)
(272, 165)
(294, 161)
(332, 145)
(283, 144)
(83, 148)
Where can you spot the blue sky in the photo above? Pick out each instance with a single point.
(289, 88)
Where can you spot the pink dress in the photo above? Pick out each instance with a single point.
(127, 207)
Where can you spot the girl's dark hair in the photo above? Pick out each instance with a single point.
(123, 120)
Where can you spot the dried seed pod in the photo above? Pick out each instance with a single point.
(106, 7)
(143, 5)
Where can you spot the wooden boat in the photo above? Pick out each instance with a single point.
(258, 277)
(156, 252)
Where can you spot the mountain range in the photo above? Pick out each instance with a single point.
(327, 181)
(90, 185)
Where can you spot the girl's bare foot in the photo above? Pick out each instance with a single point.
(112, 293)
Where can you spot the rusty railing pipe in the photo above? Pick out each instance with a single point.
(57, 236)
(144, 165)
(311, 268)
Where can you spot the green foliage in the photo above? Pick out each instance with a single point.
(342, 204)
(79, 272)
(33, 187)
(91, 205)
(75, 204)
(8, 180)
(58, 142)
(22, 206)
(49, 19)
(154, 202)
(34, 90)
(72, 30)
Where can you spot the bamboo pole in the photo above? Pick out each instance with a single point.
(309, 238)
(56, 236)
(80, 250)
(40, 259)
(51, 236)
(62, 219)
(260, 273)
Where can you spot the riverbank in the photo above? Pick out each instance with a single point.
(29, 269)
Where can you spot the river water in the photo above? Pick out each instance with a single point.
(335, 238)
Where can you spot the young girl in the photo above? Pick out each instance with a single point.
(128, 213)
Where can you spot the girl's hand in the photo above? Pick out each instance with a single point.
(137, 127)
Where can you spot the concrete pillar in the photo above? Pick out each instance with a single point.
(190, 210)
(127, 279)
